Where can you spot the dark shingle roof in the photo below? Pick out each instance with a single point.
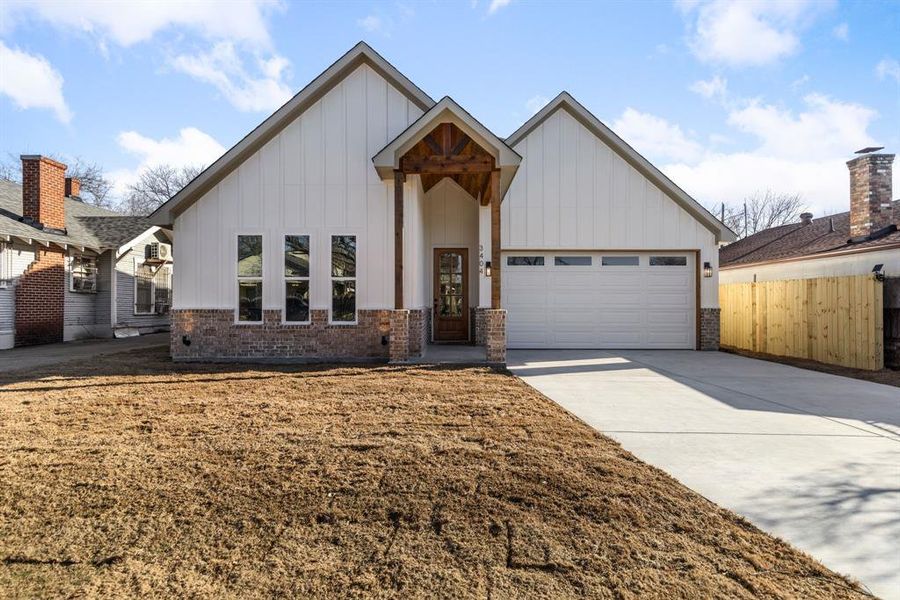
(796, 240)
(86, 225)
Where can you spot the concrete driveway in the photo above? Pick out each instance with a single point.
(809, 457)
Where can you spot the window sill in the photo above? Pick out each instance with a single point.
(82, 291)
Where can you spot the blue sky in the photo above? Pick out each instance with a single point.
(726, 97)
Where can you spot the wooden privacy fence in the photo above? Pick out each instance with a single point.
(835, 320)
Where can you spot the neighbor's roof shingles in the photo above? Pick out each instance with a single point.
(795, 240)
(86, 225)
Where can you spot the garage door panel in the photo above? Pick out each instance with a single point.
(600, 306)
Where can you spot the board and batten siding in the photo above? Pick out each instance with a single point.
(126, 267)
(315, 177)
(18, 256)
(574, 191)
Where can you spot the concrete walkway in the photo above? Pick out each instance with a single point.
(31, 357)
(810, 457)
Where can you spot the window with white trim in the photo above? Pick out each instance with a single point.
(83, 272)
(343, 279)
(296, 278)
(249, 278)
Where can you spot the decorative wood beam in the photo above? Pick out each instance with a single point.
(486, 191)
(446, 131)
(495, 239)
(399, 179)
(433, 145)
(460, 145)
(447, 165)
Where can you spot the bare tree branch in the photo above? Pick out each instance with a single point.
(155, 186)
(764, 210)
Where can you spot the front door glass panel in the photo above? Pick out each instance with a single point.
(450, 297)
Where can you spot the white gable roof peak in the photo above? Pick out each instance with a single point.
(566, 102)
(360, 54)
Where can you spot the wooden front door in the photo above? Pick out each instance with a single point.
(450, 318)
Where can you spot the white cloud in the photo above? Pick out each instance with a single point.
(192, 147)
(654, 136)
(536, 103)
(803, 152)
(717, 87)
(370, 23)
(127, 22)
(827, 128)
(744, 33)
(30, 81)
(497, 5)
(888, 67)
(224, 69)
(800, 82)
(841, 32)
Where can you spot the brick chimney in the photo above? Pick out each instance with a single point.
(73, 187)
(870, 194)
(44, 191)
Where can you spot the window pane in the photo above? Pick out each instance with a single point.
(343, 256)
(296, 256)
(296, 301)
(249, 256)
(250, 301)
(620, 261)
(572, 261)
(668, 261)
(143, 300)
(525, 261)
(343, 301)
(163, 281)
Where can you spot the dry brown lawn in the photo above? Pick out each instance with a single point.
(131, 476)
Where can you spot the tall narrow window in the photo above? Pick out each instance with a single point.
(162, 290)
(343, 278)
(296, 278)
(249, 274)
(143, 289)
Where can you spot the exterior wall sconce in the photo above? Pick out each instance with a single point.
(707, 269)
(487, 268)
(879, 272)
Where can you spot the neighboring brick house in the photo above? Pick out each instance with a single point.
(69, 270)
(363, 219)
(848, 243)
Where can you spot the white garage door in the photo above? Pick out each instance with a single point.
(599, 300)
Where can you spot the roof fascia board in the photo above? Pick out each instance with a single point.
(360, 54)
(581, 114)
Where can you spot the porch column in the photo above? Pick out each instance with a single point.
(399, 179)
(495, 239)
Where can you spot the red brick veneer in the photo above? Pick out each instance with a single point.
(40, 296)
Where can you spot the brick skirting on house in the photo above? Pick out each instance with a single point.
(419, 328)
(495, 334)
(40, 299)
(213, 335)
(709, 328)
(478, 326)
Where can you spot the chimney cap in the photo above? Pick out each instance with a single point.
(806, 218)
(869, 149)
(42, 158)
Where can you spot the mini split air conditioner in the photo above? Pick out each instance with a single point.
(158, 251)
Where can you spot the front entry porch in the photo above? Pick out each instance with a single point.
(449, 175)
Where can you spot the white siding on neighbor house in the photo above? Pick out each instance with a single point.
(451, 221)
(837, 266)
(125, 270)
(18, 257)
(574, 191)
(315, 177)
